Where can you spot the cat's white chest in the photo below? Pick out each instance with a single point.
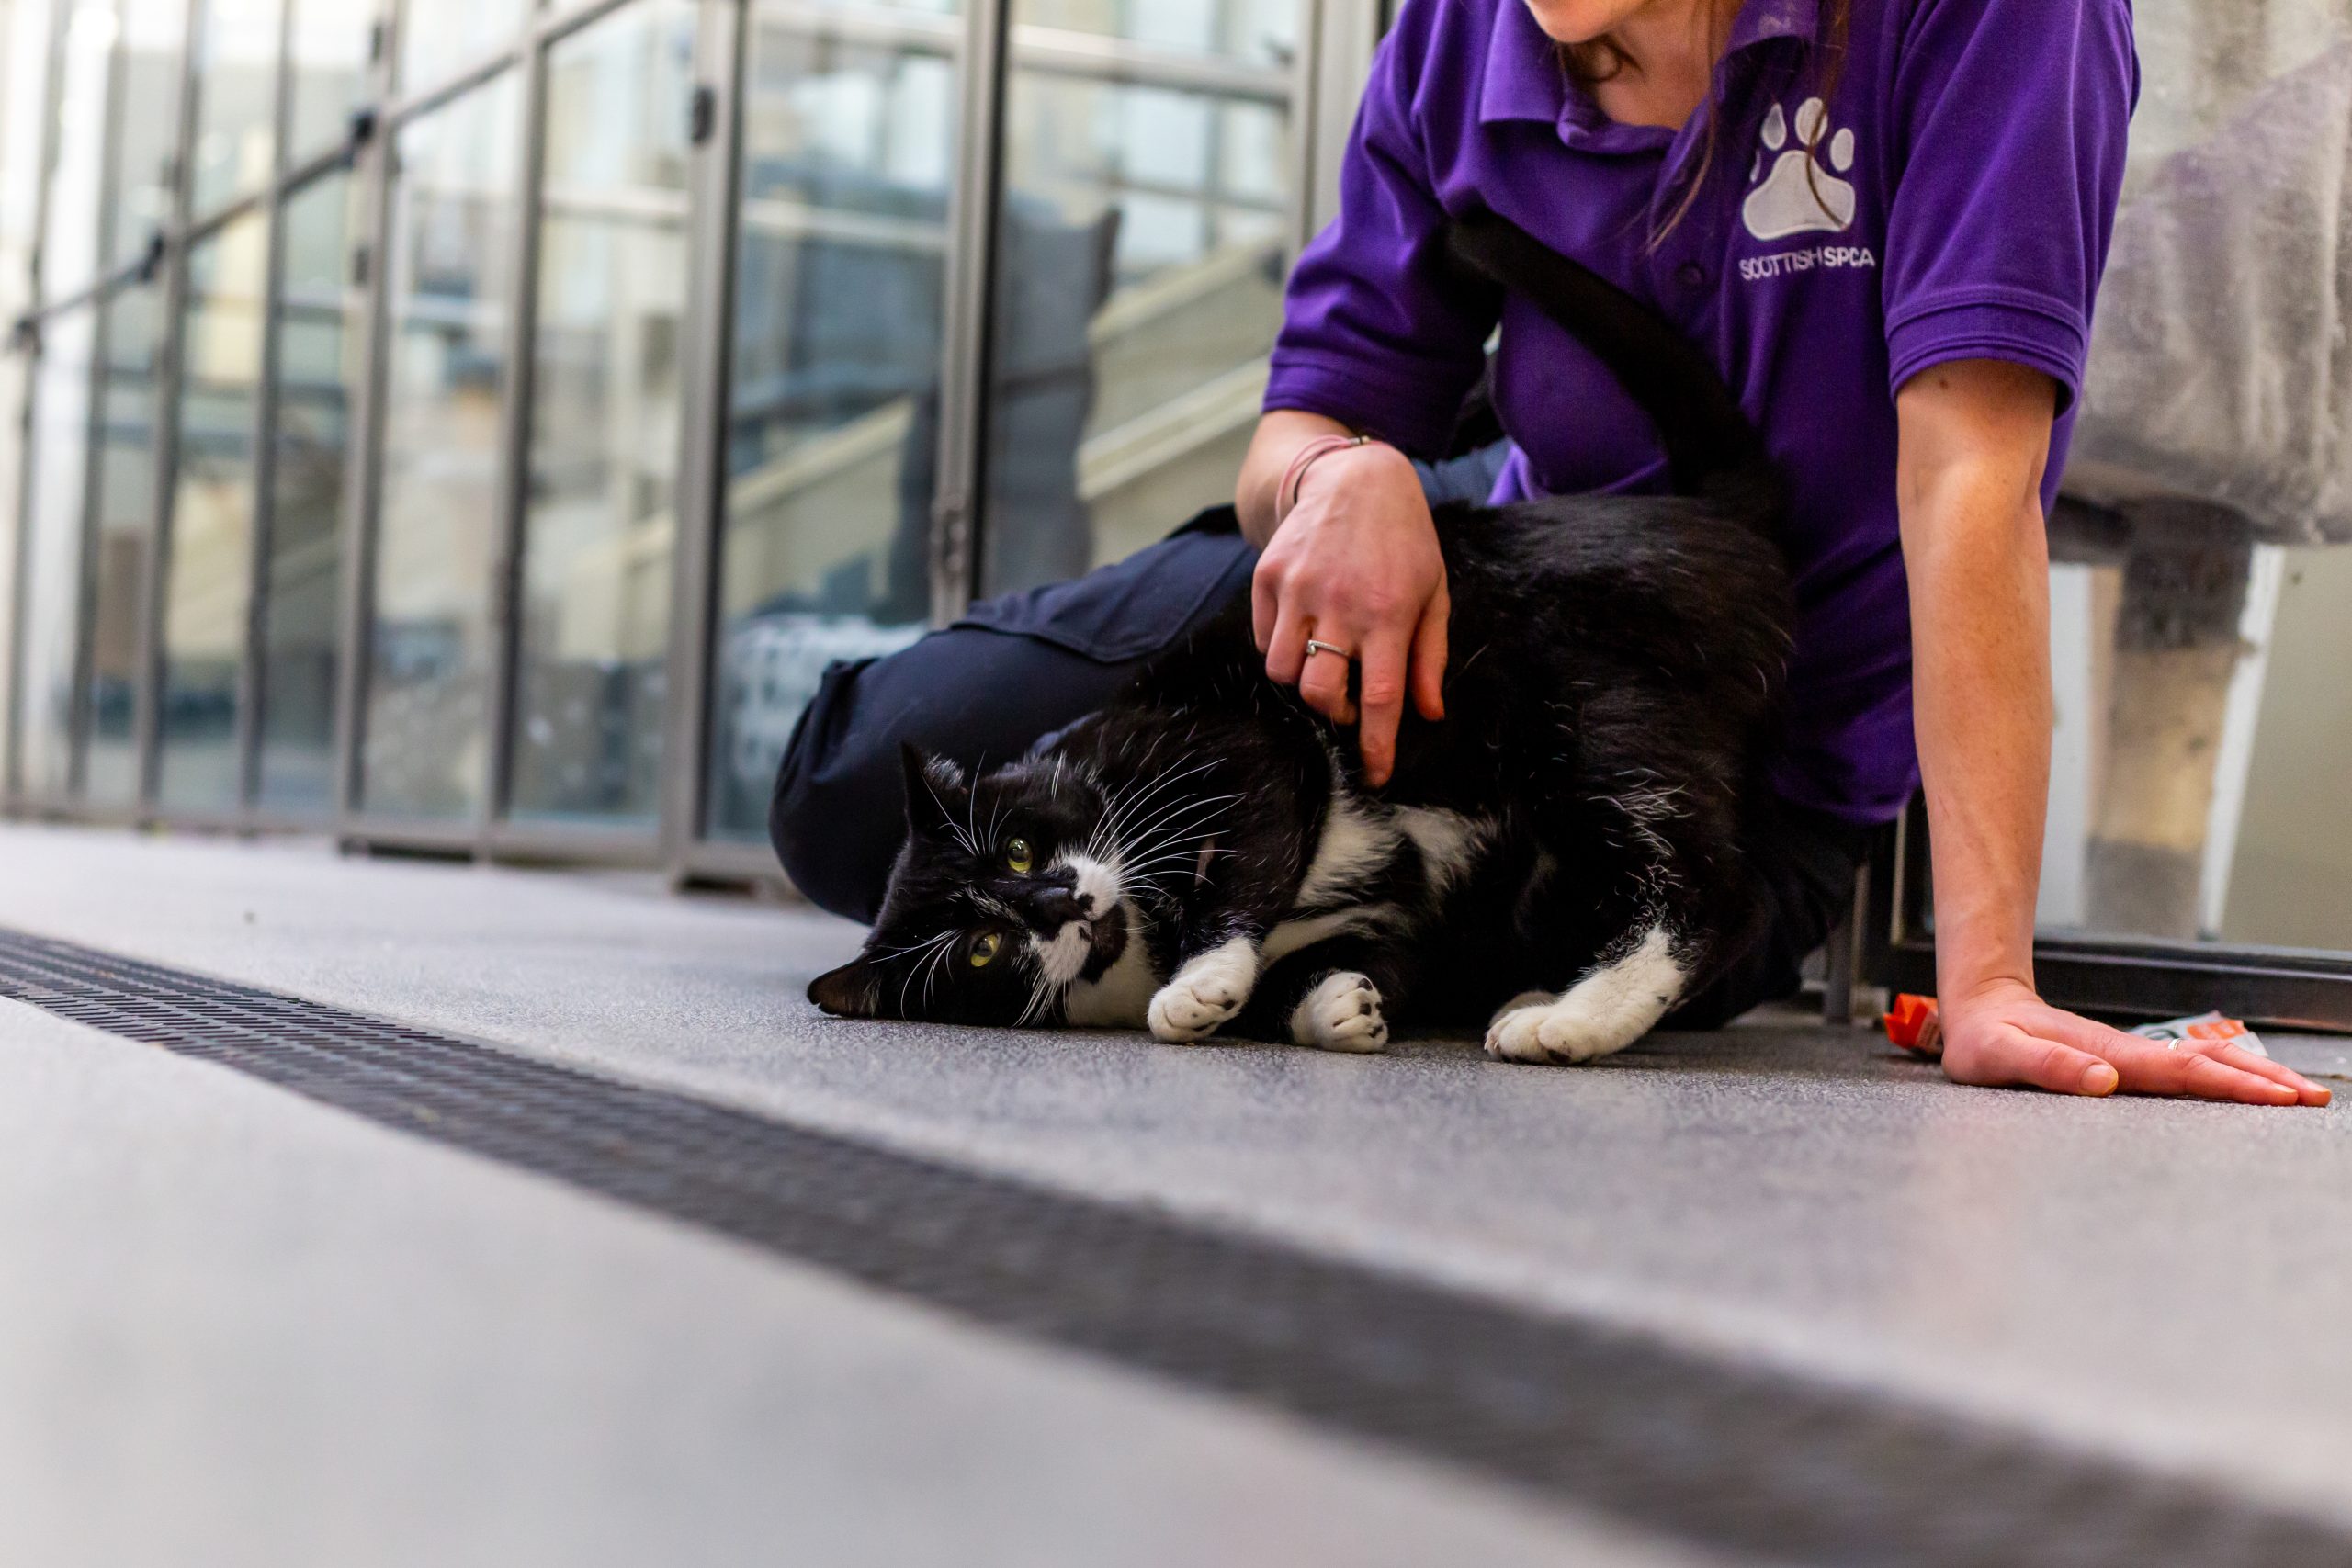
(1121, 998)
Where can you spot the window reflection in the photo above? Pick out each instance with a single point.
(832, 417)
(1143, 250)
(122, 534)
(439, 37)
(236, 130)
(604, 434)
(146, 125)
(71, 244)
(207, 596)
(318, 344)
(57, 495)
(450, 252)
(330, 70)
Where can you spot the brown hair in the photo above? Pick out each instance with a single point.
(1599, 59)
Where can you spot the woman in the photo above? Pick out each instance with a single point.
(1885, 220)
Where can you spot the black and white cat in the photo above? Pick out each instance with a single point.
(1560, 857)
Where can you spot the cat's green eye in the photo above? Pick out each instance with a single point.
(984, 950)
(1019, 855)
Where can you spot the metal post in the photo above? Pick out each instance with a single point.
(373, 165)
(252, 683)
(515, 440)
(721, 44)
(12, 783)
(969, 314)
(77, 720)
(148, 700)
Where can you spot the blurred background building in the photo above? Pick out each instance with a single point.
(471, 425)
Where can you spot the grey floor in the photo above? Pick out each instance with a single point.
(238, 1328)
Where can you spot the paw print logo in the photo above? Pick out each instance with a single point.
(1800, 192)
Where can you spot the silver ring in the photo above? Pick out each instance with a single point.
(1314, 647)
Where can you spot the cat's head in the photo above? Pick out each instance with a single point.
(997, 904)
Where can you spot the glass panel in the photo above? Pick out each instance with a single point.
(236, 130)
(122, 532)
(147, 124)
(439, 38)
(330, 48)
(2199, 635)
(70, 244)
(52, 555)
(451, 256)
(319, 345)
(1248, 32)
(1143, 254)
(2203, 720)
(605, 418)
(833, 420)
(207, 600)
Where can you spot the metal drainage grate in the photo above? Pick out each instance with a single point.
(1718, 1454)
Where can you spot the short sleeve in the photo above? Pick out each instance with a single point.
(1378, 332)
(2011, 119)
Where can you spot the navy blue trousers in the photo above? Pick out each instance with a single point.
(1016, 670)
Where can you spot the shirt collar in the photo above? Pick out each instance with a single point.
(1525, 80)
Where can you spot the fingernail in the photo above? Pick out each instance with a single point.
(2100, 1079)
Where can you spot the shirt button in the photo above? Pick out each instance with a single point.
(1693, 274)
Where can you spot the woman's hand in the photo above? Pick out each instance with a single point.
(1356, 565)
(2006, 1036)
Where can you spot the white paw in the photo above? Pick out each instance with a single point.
(1605, 1012)
(1560, 1031)
(1205, 993)
(1341, 1013)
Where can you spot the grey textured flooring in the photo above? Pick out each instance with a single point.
(2164, 1281)
(239, 1331)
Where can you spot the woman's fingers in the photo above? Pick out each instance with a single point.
(1324, 684)
(2154, 1069)
(2239, 1056)
(1380, 694)
(1287, 646)
(2203, 1072)
(2016, 1058)
(1265, 606)
(1429, 655)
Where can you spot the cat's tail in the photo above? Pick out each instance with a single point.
(1710, 445)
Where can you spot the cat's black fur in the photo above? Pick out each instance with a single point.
(1615, 666)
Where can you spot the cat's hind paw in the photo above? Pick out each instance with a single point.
(1341, 1013)
(1601, 1014)
(1205, 993)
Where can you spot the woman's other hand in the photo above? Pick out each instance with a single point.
(2006, 1036)
(1354, 563)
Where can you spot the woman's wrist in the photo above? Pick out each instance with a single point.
(1368, 462)
(1303, 461)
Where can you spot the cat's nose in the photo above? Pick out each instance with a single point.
(1057, 906)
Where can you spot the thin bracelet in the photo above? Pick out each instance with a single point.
(1304, 459)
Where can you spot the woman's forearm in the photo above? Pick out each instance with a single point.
(1280, 435)
(1978, 562)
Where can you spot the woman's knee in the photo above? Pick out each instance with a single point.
(833, 832)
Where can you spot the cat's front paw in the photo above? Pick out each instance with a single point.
(1545, 1029)
(1341, 1013)
(1205, 993)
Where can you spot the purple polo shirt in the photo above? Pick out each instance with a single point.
(1952, 199)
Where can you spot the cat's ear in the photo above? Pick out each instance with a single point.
(850, 991)
(936, 794)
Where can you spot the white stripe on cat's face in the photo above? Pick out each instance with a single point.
(1063, 957)
(1098, 883)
